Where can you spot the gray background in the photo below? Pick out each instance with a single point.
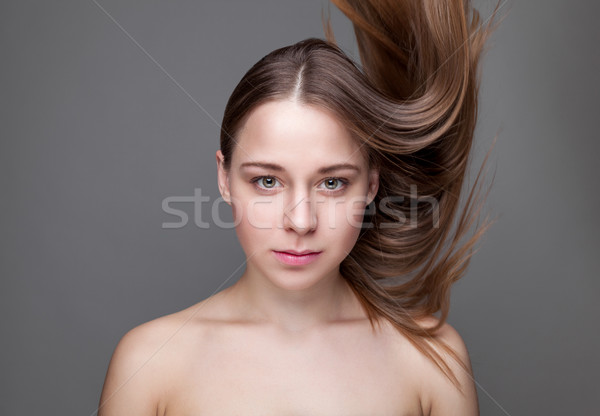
(94, 135)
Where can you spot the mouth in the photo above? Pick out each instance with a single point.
(298, 253)
(296, 258)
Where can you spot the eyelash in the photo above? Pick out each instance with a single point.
(343, 184)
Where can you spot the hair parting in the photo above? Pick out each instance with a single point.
(412, 107)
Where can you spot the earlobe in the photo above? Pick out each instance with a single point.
(223, 177)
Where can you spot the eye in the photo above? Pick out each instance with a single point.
(334, 184)
(265, 182)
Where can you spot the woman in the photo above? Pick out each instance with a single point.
(344, 185)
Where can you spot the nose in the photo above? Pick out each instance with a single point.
(300, 215)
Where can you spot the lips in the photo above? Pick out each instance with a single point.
(298, 253)
(296, 258)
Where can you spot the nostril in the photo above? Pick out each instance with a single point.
(300, 216)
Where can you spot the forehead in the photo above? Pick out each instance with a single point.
(290, 133)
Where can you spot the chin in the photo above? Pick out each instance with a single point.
(293, 281)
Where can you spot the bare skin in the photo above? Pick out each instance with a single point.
(285, 339)
(206, 360)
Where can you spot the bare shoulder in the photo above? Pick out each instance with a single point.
(143, 361)
(441, 396)
(450, 336)
(130, 384)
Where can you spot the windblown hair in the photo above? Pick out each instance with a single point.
(412, 107)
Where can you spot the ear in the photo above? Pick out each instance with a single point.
(223, 177)
(373, 185)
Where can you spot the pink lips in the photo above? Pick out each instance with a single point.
(297, 259)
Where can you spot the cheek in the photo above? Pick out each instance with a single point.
(249, 209)
(342, 225)
(258, 213)
(256, 219)
(343, 228)
(251, 235)
(345, 215)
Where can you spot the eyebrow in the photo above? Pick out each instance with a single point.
(279, 168)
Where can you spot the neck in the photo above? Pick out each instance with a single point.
(329, 300)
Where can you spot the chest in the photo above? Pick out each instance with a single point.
(303, 378)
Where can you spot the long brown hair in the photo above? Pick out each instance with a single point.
(412, 107)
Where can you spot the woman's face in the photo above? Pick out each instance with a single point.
(298, 184)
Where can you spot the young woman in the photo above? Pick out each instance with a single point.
(344, 185)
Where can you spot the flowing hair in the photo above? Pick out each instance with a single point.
(412, 108)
